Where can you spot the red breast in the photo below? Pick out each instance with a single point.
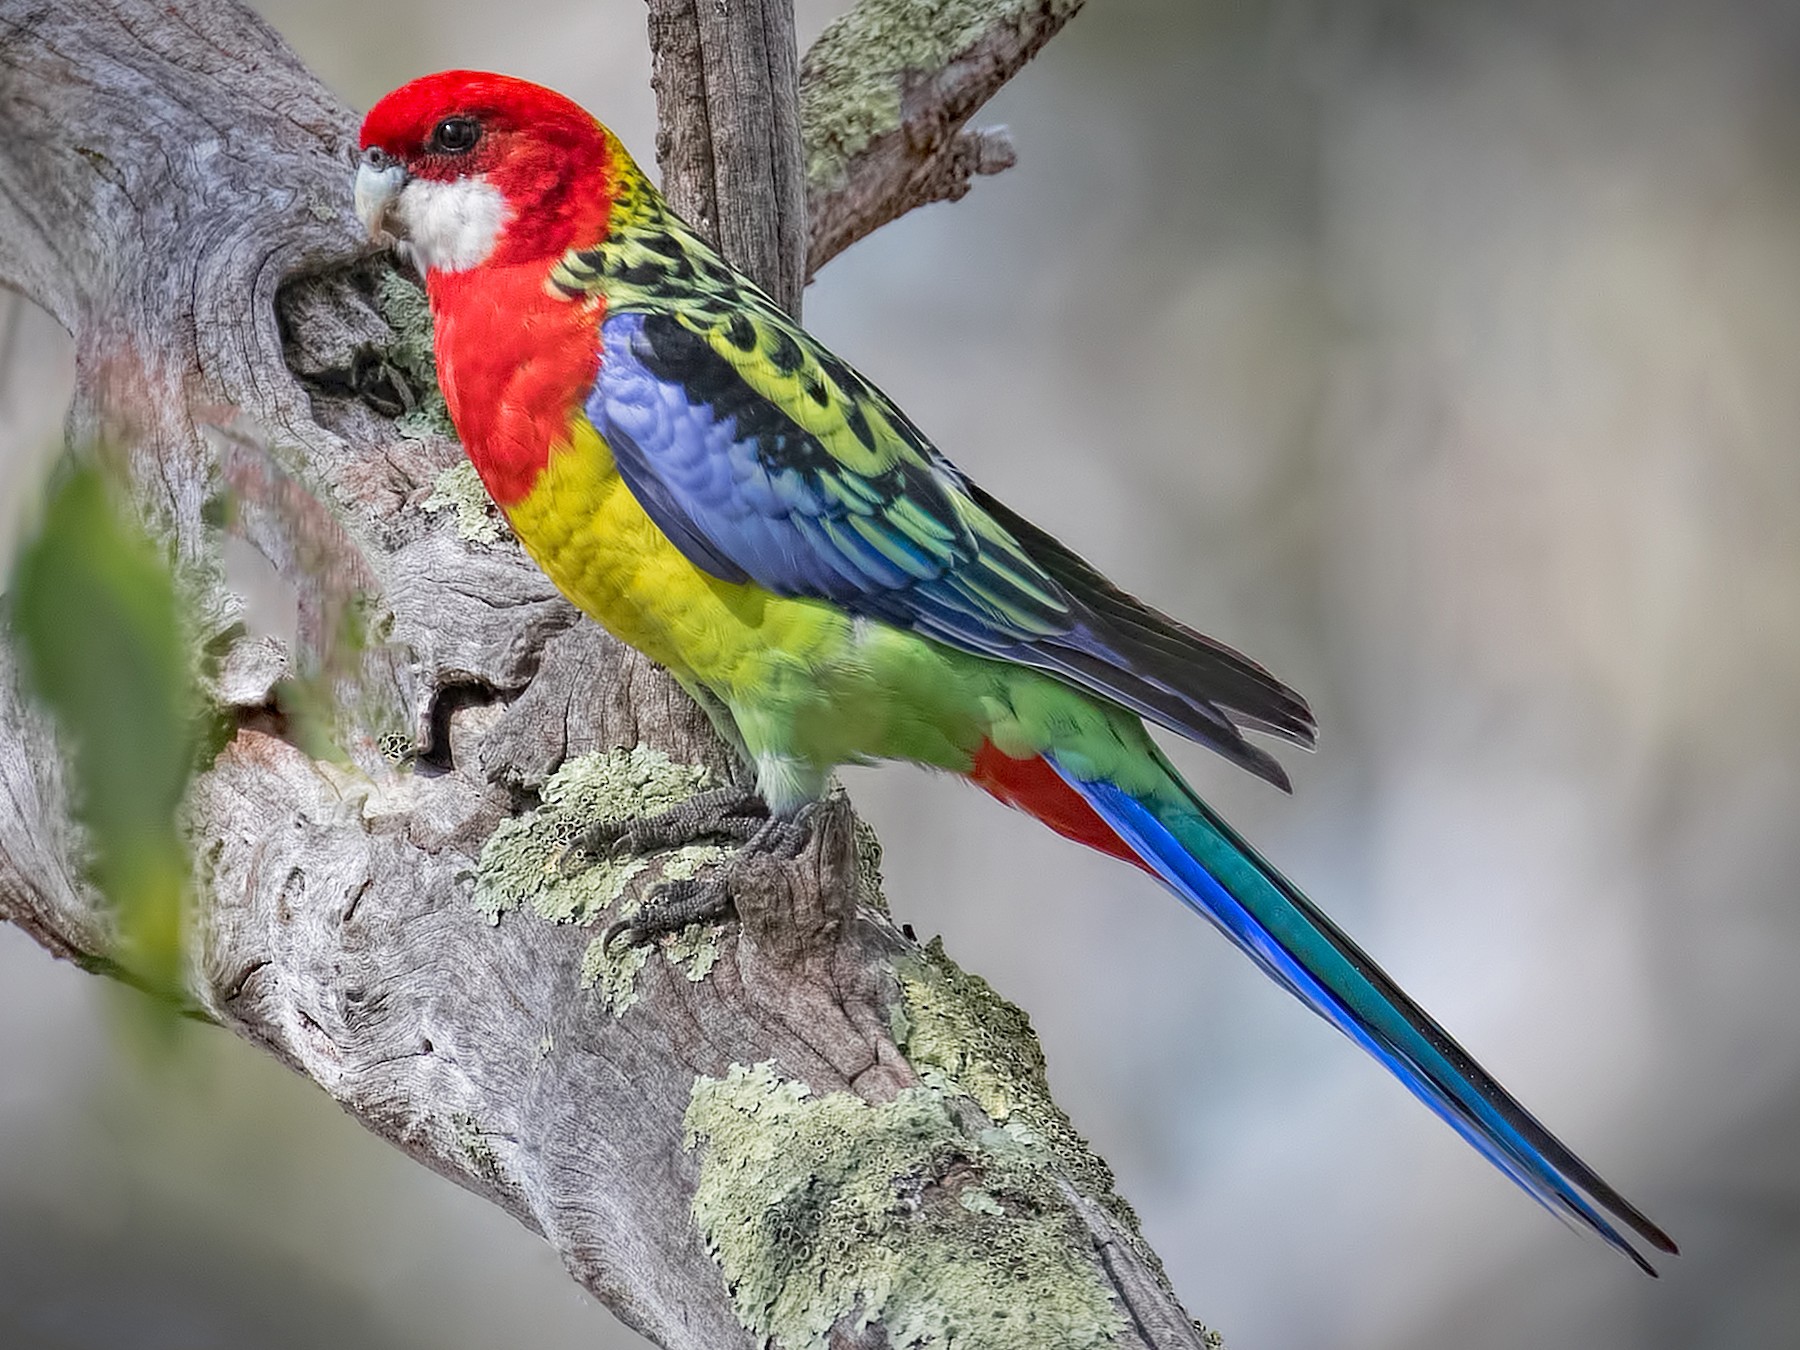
(515, 362)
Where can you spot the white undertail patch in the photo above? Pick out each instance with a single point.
(786, 782)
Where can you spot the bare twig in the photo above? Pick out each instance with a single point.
(729, 139)
(884, 94)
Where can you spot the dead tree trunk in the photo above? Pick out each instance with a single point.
(798, 1126)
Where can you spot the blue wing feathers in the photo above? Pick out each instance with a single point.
(748, 494)
(1216, 873)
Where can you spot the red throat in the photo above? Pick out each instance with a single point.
(516, 364)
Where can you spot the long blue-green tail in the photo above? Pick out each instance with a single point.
(1205, 862)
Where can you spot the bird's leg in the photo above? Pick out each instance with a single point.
(673, 905)
(732, 813)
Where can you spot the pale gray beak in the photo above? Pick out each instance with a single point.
(379, 179)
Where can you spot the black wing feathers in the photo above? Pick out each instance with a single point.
(1159, 648)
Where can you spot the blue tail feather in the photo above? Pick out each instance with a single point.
(1204, 861)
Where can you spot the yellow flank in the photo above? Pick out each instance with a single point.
(582, 525)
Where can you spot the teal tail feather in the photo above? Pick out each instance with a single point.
(1204, 861)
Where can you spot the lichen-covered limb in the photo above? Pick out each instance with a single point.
(391, 919)
(884, 96)
(963, 1211)
(878, 128)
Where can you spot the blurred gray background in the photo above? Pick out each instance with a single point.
(1445, 358)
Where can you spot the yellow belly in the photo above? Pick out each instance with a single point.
(807, 686)
(583, 526)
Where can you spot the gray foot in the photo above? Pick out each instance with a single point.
(721, 813)
(673, 905)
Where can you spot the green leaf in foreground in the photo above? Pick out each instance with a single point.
(98, 630)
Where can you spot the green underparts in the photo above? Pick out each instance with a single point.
(527, 863)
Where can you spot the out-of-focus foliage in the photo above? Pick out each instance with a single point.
(98, 628)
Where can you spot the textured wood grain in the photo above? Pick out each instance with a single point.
(173, 187)
(879, 128)
(886, 91)
(727, 101)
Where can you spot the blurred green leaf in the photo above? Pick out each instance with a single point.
(99, 633)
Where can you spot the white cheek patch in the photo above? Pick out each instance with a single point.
(451, 227)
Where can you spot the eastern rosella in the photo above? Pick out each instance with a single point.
(716, 488)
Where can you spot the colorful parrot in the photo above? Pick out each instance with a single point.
(716, 488)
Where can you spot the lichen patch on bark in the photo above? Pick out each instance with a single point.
(613, 971)
(527, 863)
(402, 303)
(829, 1210)
(963, 1038)
(858, 69)
(459, 488)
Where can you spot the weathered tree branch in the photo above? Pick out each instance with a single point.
(878, 129)
(797, 1125)
(727, 101)
(884, 94)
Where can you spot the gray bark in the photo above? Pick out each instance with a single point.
(728, 141)
(173, 188)
(885, 94)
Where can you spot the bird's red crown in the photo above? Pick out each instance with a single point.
(545, 153)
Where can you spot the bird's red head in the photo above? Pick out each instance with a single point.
(465, 168)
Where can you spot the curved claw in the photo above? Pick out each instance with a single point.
(721, 813)
(785, 839)
(672, 906)
(612, 930)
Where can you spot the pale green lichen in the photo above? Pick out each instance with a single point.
(612, 970)
(855, 74)
(403, 304)
(694, 950)
(963, 1037)
(471, 1142)
(527, 861)
(829, 1209)
(978, 1201)
(397, 747)
(460, 489)
(530, 863)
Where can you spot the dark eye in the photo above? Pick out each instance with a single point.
(454, 136)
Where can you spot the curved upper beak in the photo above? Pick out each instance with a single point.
(379, 180)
